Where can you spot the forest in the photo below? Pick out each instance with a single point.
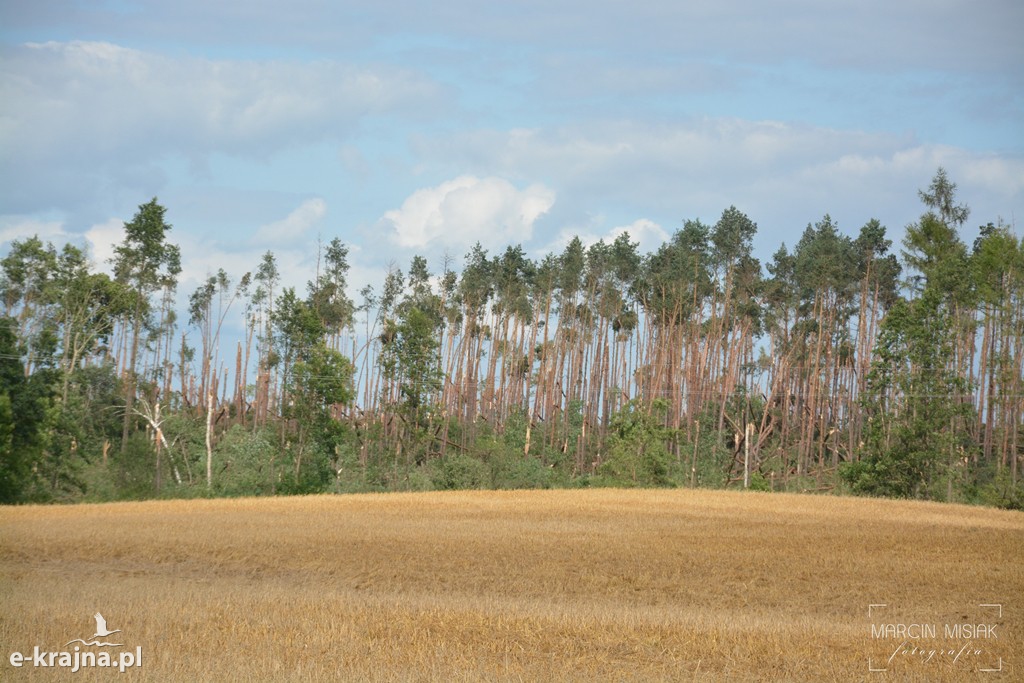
(841, 365)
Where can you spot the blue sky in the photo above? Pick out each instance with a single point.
(419, 128)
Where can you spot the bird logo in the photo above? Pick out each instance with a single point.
(101, 632)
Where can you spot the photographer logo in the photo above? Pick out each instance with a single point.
(90, 654)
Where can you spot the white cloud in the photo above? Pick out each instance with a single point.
(468, 209)
(102, 239)
(294, 225)
(647, 234)
(23, 227)
(783, 175)
(691, 148)
(99, 239)
(80, 114)
(120, 94)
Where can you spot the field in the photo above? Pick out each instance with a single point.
(598, 585)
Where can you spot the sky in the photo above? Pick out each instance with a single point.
(412, 128)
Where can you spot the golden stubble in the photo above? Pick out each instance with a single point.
(537, 586)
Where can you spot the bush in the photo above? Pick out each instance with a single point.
(637, 453)
(508, 467)
(516, 471)
(98, 483)
(133, 468)
(758, 482)
(460, 471)
(1001, 492)
(242, 462)
(420, 479)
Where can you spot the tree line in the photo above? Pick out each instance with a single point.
(837, 365)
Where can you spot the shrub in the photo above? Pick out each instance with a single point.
(242, 463)
(460, 471)
(516, 471)
(637, 453)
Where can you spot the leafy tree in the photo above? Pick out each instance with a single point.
(144, 262)
(941, 197)
(327, 292)
(28, 292)
(297, 330)
(246, 463)
(88, 306)
(637, 452)
(997, 263)
(25, 402)
(322, 378)
(410, 360)
(912, 402)
(916, 392)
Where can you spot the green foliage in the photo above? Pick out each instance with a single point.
(637, 453)
(27, 291)
(941, 197)
(144, 259)
(460, 471)
(1002, 493)
(13, 468)
(914, 403)
(25, 415)
(825, 260)
(531, 345)
(245, 463)
(676, 275)
(306, 470)
(297, 330)
(131, 468)
(186, 459)
(758, 482)
(516, 471)
(913, 400)
(732, 237)
(509, 467)
(88, 417)
(327, 295)
(875, 263)
(714, 457)
(410, 359)
(322, 379)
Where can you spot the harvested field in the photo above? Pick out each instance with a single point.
(596, 585)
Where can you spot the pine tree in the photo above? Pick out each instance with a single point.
(144, 262)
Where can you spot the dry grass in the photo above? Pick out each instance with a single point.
(599, 585)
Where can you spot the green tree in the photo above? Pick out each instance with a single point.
(29, 294)
(997, 261)
(88, 306)
(918, 396)
(321, 379)
(144, 262)
(25, 403)
(411, 360)
(327, 293)
(637, 451)
(297, 330)
(912, 403)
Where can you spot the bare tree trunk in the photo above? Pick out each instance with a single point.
(209, 435)
(130, 384)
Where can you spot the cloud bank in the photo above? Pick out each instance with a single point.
(294, 226)
(93, 112)
(467, 209)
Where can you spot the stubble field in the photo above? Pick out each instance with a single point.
(599, 585)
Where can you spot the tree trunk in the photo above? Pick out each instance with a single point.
(209, 436)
